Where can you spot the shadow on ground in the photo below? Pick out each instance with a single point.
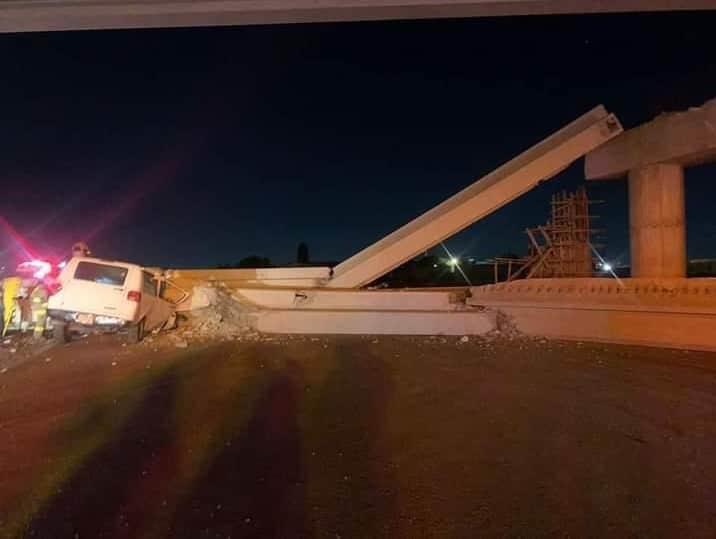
(223, 446)
(255, 487)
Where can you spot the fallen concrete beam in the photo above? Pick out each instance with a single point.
(683, 138)
(365, 322)
(366, 300)
(483, 197)
(47, 15)
(369, 312)
(285, 277)
(673, 313)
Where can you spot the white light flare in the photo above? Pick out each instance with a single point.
(454, 262)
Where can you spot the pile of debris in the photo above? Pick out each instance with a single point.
(215, 313)
(505, 328)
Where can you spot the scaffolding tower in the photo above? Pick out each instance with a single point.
(563, 247)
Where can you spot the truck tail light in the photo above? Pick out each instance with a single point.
(134, 295)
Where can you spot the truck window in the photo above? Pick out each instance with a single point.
(101, 273)
(149, 285)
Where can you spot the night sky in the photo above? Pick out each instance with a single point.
(197, 147)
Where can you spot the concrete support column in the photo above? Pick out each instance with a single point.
(657, 221)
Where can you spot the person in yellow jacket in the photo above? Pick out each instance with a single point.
(38, 306)
(10, 291)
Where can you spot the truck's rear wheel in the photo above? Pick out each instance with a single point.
(61, 332)
(136, 332)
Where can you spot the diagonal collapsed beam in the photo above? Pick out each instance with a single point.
(514, 178)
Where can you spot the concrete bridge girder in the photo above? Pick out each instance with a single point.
(541, 162)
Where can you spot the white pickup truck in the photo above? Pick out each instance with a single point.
(103, 294)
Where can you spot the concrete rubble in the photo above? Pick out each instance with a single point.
(216, 313)
(505, 326)
(225, 315)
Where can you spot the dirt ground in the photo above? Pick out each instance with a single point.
(357, 437)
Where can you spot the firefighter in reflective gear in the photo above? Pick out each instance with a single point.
(38, 306)
(81, 249)
(11, 290)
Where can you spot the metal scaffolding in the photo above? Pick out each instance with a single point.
(562, 247)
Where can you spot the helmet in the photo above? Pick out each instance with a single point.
(80, 249)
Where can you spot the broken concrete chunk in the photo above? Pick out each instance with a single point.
(203, 296)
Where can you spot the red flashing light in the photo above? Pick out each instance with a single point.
(134, 295)
(39, 269)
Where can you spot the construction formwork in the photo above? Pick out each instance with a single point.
(562, 248)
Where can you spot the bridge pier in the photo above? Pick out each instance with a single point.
(657, 222)
(654, 156)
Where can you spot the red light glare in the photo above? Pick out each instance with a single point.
(38, 268)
